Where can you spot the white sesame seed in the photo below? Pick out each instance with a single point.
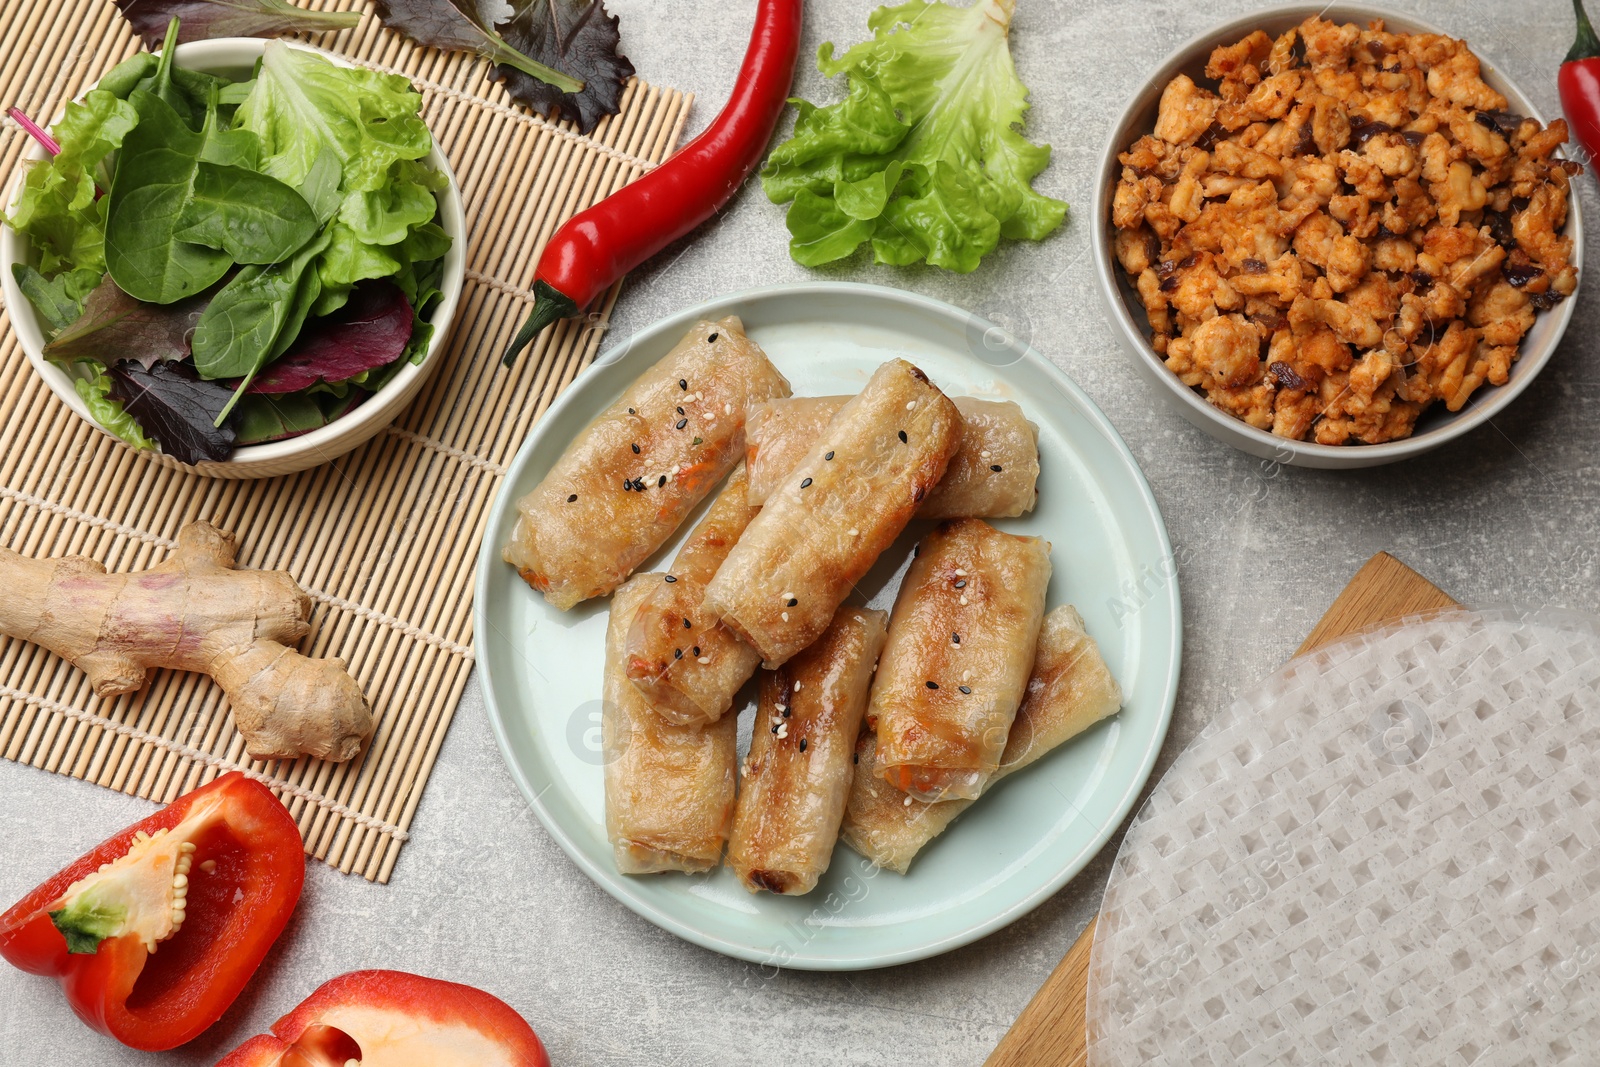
(783, 730)
(963, 600)
(786, 616)
(797, 687)
(910, 404)
(966, 675)
(781, 708)
(786, 596)
(960, 573)
(727, 409)
(704, 659)
(984, 453)
(854, 532)
(908, 802)
(708, 415)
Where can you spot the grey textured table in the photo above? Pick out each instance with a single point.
(482, 895)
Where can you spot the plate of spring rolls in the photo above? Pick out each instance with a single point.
(827, 626)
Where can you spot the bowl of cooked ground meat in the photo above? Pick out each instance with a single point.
(1335, 236)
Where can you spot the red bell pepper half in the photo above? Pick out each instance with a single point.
(394, 1019)
(154, 933)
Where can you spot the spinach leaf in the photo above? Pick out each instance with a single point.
(176, 408)
(115, 326)
(123, 78)
(254, 218)
(247, 320)
(153, 184)
(273, 418)
(370, 331)
(59, 299)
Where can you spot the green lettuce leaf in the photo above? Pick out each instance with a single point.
(924, 157)
(58, 209)
(95, 392)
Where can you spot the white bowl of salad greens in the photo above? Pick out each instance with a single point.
(244, 260)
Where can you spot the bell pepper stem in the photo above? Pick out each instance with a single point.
(549, 304)
(1587, 45)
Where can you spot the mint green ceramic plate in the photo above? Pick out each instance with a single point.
(541, 667)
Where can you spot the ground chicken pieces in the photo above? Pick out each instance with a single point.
(1326, 246)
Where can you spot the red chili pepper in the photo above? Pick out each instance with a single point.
(597, 246)
(154, 933)
(395, 1018)
(1579, 81)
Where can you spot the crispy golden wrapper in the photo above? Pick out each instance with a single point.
(961, 647)
(843, 504)
(689, 667)
(995, 474)
(1071, 690)
(801, 762)
(669, 789)
(635, 473)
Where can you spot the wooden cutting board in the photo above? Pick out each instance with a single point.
(1051, 1031)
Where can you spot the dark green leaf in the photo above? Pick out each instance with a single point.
(274, 418)
(176, 408)
(155, 175)
(59, 299)
(254, 218)
(115, 326)
(205, 19)
(575, 36)
(121, 79)
(239, 329)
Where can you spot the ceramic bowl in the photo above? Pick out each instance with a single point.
(235, 56)
(1436, 426)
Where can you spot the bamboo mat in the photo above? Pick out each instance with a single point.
(384, 539)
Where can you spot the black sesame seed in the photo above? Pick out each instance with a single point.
(828, 456)
(967, 689)
(627, 483)
(855, 757)
(661, 481)
(636, 449)
(961, 583)
(632, 412)
(916, 550)
(774, 729)
(571, 498)
(931, 685)
(713, 337)
(802, 744)
(638, 485)
(677, 653)
(680, 409)
(955, 639)
(786, 710)
(903, 437)
(995, 467)
(682, 423)
(697, 650)
(806, 484)
(685, 624)
(793, 601)
(683, 383)
(671, 578)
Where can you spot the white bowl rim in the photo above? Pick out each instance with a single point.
(230, 52)
(1484, 404)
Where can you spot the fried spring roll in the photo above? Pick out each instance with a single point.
(994, 475)
(797, 776)
(687, 666)
(842, 505)
(961, 645)
(1071, 690)
(669, 789)
(633, 474)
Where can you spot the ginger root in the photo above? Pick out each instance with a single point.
(193, 613)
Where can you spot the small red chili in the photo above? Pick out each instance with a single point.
(1579, 82)
(597, 246)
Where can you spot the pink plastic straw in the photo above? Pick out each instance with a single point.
(33, 130)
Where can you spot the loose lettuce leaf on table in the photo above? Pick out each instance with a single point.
(57, 209)
(924, 157)
(205, 19)
(176, 407)
(114, 326)
(576, 36)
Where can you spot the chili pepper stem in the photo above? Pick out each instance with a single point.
(549, 304)
(1587, 46)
